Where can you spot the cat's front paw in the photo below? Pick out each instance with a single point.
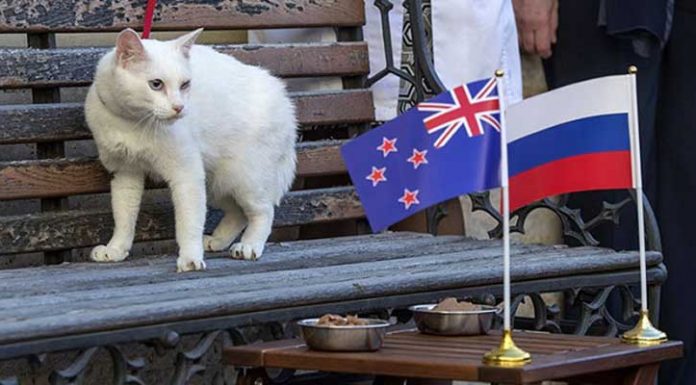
(211, 243)
(103, 253)
(185, 263)
(248, 251)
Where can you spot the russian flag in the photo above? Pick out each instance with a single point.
(575, 138)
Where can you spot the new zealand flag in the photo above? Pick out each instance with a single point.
(442, 148)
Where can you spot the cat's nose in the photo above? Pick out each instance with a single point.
(178, 108)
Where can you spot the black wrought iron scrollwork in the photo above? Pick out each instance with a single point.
(423, 56)
(573, 225)
(546, 317)
(36, 360)
(202, 359)
(125, 370)
(167, 341)
(74, 373)
(188, 362)
(385, 7)
(594, 310)
(587, 311)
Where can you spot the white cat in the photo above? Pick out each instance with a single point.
(192, 117)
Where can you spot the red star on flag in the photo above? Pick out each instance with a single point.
(377, 175)
(409, 198)
(418, 158)
(387, 146)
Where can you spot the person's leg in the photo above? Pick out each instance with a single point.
(584, 51)
(676, 206)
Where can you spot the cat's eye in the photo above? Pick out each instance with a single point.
(185, 85)
(156, 84)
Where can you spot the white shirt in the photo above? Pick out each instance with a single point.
(471, 40)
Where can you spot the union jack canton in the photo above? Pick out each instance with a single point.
(464, 111)
(420, 158)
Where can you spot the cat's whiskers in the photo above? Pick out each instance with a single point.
(149, 125)
(144, 119)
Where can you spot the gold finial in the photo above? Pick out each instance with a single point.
(632, 70)
(499, 73)
(507, 354)
(644, 333)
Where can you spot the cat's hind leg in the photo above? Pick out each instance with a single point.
(260, 217)
(229, 227)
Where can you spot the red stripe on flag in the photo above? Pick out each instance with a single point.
(596, 171)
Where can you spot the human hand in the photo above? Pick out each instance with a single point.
(537, 22)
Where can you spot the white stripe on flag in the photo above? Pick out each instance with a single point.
(601, 96)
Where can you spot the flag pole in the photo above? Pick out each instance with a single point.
(644, 333)
(507, 353)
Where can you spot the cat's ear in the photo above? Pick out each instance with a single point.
(184, 43)
(129, 48)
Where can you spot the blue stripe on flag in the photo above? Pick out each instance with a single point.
(600, 133)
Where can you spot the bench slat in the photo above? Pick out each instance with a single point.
(65, 177)
(96, 297)
(258, 287)
(125, 270)
(31, 123)
(83, 228)
(278, 256)
(75, 66)
(82, 16)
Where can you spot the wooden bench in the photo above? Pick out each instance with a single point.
(55, 206)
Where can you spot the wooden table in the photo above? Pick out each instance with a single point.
(411, 355)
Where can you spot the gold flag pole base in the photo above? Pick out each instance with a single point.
(644, 333)
(507, 354)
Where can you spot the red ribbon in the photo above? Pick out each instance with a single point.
(149, 14)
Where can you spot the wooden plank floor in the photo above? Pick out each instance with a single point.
(409, 354)
(88, 297)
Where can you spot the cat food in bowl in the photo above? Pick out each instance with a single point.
(453, 318)
(343, 334)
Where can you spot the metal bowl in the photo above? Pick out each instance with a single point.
(453, 323)
(365, 338)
